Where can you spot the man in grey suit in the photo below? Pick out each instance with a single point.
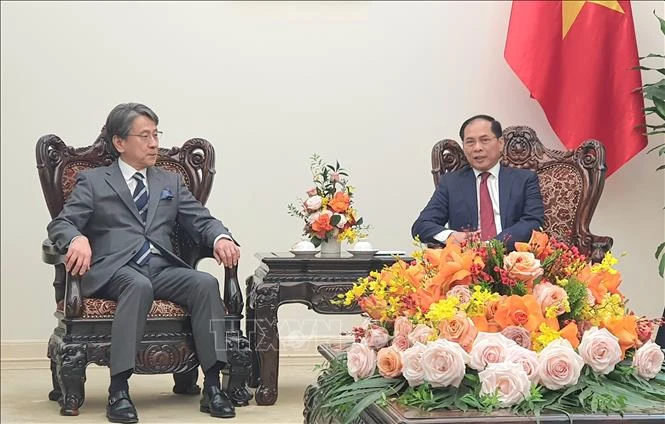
(115, 228)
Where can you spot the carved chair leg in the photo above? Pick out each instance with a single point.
(185, 382)
(71, 361)
(56, 393)
(235, 376)
(250, 330)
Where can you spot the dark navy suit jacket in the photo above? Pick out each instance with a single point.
(455, 203)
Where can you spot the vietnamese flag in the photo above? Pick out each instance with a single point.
(576, 59)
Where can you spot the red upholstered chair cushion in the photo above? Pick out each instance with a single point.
(104, 308)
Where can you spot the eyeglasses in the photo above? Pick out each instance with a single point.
(145, 137)
(484, 141)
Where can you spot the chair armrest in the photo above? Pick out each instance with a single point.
(599, 246)
(73, 301)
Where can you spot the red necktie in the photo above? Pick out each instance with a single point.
(487, 226)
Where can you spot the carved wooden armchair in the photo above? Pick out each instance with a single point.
(571, 183)
(83, 334)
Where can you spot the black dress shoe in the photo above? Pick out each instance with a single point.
(216, 403)
(120, 408)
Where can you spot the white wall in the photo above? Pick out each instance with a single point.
(370, 84)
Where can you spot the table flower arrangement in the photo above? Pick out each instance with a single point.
(328, 211)
(473, 327)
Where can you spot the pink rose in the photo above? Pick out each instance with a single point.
(648, 360)
(360, 361)
(311, 191)
(522, 266)
(377, 337)
(313, 203)
(600, 350)
(489, 348)
(558, 365)
(519, 335)
(508, 380)
(420, 334)
(527, 358)
(400, 342)
(412, 369)
(549, 295)
(315, 216)
(403, 326)
(461, 292)
(444, 363)
(389, 362)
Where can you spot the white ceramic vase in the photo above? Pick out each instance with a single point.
(331, 248)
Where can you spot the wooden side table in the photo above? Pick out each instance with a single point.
(282, 278)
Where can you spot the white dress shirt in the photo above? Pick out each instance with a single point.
(493, 188)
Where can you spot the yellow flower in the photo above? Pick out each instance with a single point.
(443, 309)
(606, 264)
(479, 299)
(545, 337)
(611, 307)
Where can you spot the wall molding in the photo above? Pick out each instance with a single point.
(294, 351)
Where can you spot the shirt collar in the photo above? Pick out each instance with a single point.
(128, 171)
(494, 171)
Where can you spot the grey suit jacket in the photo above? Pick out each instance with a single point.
(101, 208)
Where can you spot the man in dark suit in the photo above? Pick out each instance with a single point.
(116, 226)
(484, 199)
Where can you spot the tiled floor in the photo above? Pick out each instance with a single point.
(24, 398)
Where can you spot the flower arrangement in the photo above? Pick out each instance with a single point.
(471, 326)
(328, 210)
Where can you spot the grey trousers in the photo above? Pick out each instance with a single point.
(134, 287)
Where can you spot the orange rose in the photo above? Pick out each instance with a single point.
(389, 362)
(485, 325)
(459, 329)
(538, 245)
(340, 202)
(374, 307)
(625, 329)
(523, 311)
(322, 225)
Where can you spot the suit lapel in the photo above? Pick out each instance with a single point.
(468, 186)
(505, 185)
(117, 182)
(155, 186)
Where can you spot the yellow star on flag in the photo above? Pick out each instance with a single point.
(571, 8)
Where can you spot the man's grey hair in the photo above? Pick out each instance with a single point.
(119, 122)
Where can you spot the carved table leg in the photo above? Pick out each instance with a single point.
(56, 393)
(185, 382)
(71, 362)
(267, 342)
(235, 375)
(250, 330)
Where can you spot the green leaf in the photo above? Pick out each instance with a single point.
(651, 55)
(334, 220)
(647, 68)
(659, 103)
(659, 252)
(662, 23)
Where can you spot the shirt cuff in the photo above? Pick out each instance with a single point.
(221, 236)
(443, 235)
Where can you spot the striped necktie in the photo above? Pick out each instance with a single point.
(141, 200)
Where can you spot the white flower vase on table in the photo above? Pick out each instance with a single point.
(331, 248)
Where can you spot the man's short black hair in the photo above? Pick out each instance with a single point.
(496, 125)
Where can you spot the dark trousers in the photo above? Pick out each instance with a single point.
(135, 287)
